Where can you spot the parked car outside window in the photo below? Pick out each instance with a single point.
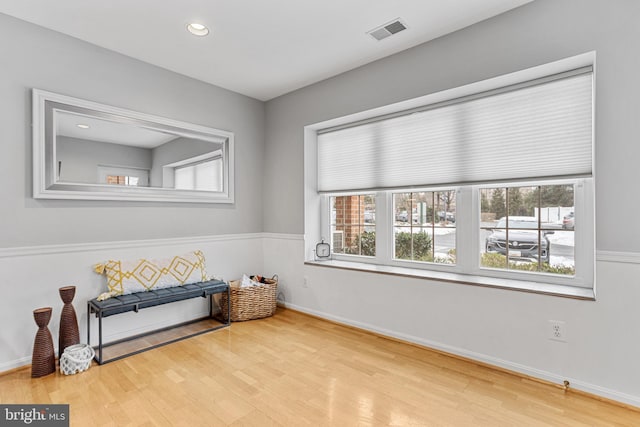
(523, 239)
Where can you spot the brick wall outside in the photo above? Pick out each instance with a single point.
(349, 217)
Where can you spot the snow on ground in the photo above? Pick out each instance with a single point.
(561, 261)
(562, 237)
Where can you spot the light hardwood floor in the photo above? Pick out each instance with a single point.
(296, 370)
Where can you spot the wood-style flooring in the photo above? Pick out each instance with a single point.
(295, 370)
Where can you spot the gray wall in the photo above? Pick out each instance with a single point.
(31, 56)
(81, 158)
(537, 33)
(500, 327)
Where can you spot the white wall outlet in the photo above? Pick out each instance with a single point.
(557, 330)
(305, 282)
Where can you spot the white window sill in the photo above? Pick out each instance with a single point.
(465, 279)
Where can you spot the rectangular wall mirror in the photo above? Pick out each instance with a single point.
(86, 150)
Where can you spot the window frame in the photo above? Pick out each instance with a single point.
(407, 262)
(584, 247)
(330, 227)
(468, 240)
(581, 286)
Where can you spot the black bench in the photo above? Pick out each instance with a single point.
(140, 300)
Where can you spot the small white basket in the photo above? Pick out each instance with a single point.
(76, 358)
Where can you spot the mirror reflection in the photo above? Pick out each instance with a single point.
(90, 150)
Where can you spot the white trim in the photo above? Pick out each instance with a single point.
(509, 284)
(604, 256)
(490, 360)
(283, 236)
(101, 246)
(195, 159)
(618, 257)
(16, 363)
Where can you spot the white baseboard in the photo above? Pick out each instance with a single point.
(13, 364)
(490, 360)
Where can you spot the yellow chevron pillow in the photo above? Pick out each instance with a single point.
(127, 277)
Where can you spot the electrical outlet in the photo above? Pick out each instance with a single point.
(305, 282)
(557, 330)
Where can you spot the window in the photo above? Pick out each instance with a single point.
(206, 175)
(484, 185)
(122, 180)
(204, 172)
(425, 226)
(527, 228)
(123, 176)
(353, 219)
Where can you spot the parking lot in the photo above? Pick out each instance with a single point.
(561, 241)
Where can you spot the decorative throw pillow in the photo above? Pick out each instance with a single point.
(126, 277)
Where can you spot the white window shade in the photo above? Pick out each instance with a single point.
(205, 176)
(540, 129)
(184, 178)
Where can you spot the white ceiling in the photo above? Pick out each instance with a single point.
(109, 131)
(260, 48)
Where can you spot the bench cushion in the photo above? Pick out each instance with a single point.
(138, 300)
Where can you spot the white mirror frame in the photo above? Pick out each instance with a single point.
(45, 185)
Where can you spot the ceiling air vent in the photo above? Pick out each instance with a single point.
(388, 29)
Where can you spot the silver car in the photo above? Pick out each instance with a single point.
(523, 239)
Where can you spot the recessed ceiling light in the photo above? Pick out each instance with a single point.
(197, 29)
(83, 126)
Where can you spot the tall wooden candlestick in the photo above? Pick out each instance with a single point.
(43, 360)
(69, 334)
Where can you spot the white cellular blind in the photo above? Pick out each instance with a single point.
(537, 130)
(206, 176)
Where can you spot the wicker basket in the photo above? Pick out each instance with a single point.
(251, 302)
(76, 358)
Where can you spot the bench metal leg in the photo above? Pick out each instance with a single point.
(100, 337)
(89, 323)
(98, 355)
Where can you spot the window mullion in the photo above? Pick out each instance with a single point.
(584, 231)
(384, 227)
(467, 235)
(325, 220)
